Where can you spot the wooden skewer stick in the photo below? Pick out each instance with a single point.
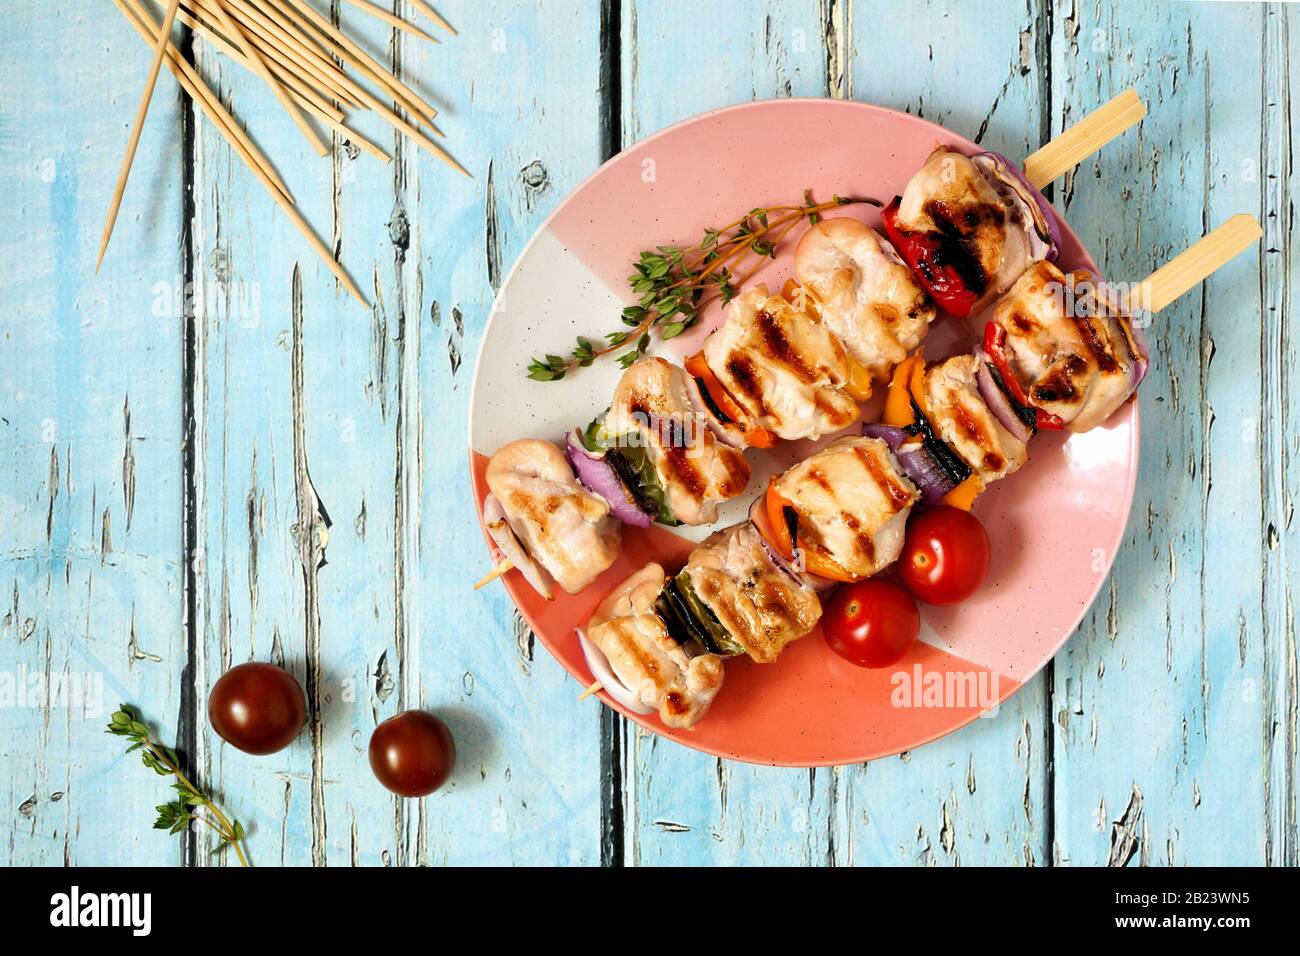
(160, 50)
(392, 20)
(309, 91)
(364, 97)
(1195, 264)
(303, 55)
(433, 15)
(495, 573)
(212, 107)
(259, 67)
(307, 96)
(1084, 138)
(597, 686)
(303, 12)
(321, 55)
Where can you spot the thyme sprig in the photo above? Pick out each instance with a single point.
(674, 284)
(190, 802)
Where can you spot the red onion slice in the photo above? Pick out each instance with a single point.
(891, 435)
(498, 528)
(601, 670)
(998, 403)
(916, 461)
(1041, 215)
(1141, 362)
(601, 478)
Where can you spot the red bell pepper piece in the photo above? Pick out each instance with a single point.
(995, 338)
(923, 253)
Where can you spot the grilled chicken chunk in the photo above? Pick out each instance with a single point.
(762, 607)
(852, 501)
(563, 526)
(695, 470)
(1071, 353)
(961, 417)
(865, 293)
(984, 234)
(785, 369)
(648, 662)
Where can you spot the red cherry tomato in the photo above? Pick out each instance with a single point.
(945, 555)
(871, 623)
(258, 708)
(412, 754)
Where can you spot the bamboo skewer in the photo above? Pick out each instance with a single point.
(393, 21)
(1083, 138)
(302, 54)
(432, 14)
(199, 92)
(308, 97)
(327, 34)
(495, 573)
(1194, 265)
(305, 59)
(596, 686)
(160, 50)
(259, 67)
(307, 89)
(370, 102)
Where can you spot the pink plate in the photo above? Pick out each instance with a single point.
(1055, 526)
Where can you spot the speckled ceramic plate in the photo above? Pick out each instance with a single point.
(1055, 526)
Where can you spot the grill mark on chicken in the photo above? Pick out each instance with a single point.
(958, 247)
(780, 348)
(992, 461)
(679, 461)
(742, 372)
(817, 476)
(1022, 324)
(899, 496)
(775, 598)
(677, 456)
(1058, 384)
(866, 544)
(889, 316)
(1088, 333)
(634, 649)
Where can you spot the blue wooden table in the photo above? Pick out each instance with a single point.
(185, 434)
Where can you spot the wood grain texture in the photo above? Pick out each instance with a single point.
(282, 477)
(90, 438)
(1174, 716)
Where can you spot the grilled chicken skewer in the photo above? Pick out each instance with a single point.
(773, 372)
(840, 513)
(963, 230)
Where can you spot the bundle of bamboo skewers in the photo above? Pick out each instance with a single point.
(314, 69)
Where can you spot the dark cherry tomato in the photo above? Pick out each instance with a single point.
(412, 754)
(871, 623)
(258, 708)
(945, 555)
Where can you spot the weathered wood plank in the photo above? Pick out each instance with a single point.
(521, 83)
(321, 408)
(1190, 646)
(90, 437)
(978, 796)
(685, 807)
